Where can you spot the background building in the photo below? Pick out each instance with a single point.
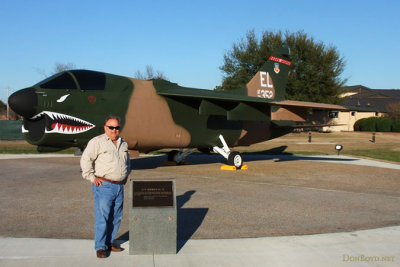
(360, 102)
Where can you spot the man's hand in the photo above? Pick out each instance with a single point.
(97, 181)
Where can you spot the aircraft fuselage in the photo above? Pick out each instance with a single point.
(68, 109)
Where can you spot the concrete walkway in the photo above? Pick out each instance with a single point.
(376, 247)
(341, 159)
(321, 158)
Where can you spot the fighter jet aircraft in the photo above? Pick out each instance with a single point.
(69, 108)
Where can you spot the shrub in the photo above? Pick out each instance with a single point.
(384, 124)
(375, 124)
(356, 126)
(366, 125)
(396, 126)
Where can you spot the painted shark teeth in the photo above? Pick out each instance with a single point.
(67, 129)
(23, 129)
(41, 114)
(64, 124)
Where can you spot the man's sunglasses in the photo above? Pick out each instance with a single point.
(112, 127)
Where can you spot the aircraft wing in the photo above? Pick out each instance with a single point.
(238, 106)
(233, 106)
(299, 111)
(303, 104)
(183, 92)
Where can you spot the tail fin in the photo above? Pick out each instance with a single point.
(270, 81)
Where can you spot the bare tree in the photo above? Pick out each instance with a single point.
(149, 74)
(393, 110)
(59, 67)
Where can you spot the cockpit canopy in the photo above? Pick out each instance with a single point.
(75, 79)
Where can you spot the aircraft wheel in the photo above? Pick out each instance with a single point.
(172, 154)
(235, 159)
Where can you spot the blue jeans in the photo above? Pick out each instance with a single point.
(108, 205)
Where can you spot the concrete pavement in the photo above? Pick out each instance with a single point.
(376, 247)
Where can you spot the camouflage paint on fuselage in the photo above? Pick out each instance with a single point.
(178, 122)
(149, 122)
(69, 108)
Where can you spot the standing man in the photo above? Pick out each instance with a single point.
(106, 163)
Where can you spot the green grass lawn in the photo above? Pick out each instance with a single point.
(382, 154)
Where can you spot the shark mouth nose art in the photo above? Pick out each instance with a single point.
(53, 122)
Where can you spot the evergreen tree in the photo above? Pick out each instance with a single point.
(315, 69)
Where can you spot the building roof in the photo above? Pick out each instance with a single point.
(363, 97)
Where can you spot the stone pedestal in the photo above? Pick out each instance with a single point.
(152, 217)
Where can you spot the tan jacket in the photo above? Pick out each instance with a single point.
(102, 158)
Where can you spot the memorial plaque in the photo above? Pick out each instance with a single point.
(152, 194)
(153, 217)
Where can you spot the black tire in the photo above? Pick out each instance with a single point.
(235, 159)
(171, 155)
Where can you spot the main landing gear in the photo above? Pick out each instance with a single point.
(233, 158)
(179, 156)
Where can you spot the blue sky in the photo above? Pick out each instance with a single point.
(186, 40)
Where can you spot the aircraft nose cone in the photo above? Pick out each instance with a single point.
(24, 102)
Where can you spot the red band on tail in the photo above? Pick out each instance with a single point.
(279, 60)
